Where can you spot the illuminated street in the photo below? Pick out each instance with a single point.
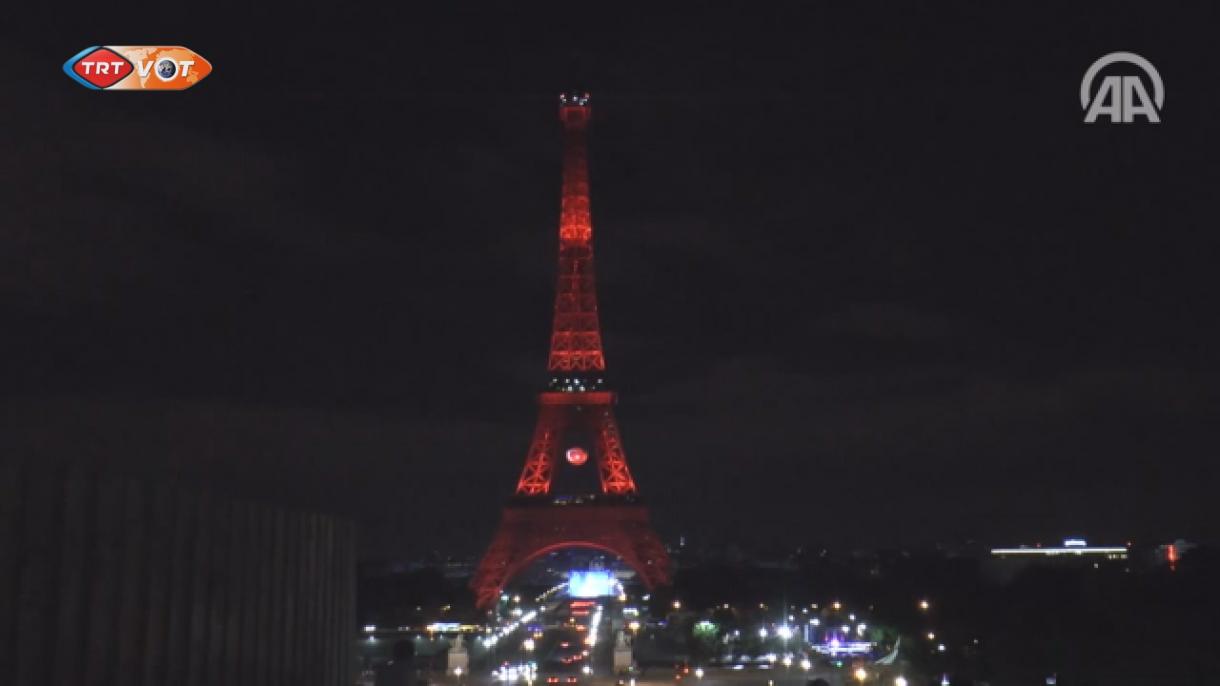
(558, 639)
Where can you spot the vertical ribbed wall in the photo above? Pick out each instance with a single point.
(111, 582)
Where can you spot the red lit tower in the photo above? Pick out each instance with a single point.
(575, 409)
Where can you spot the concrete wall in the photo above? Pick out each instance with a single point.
(111, 582)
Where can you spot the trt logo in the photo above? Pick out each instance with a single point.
(102, 68)
(1122, 98)
(137, 67)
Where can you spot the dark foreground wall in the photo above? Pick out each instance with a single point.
(113, 582)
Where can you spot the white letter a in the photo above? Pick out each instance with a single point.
(1111, 90)
(1133, 93)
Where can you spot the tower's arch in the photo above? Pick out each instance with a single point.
(530, 532)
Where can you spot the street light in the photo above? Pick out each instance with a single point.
(924, 605)
(699, 672)
(806, 664)
(861, 674)
(900, 681)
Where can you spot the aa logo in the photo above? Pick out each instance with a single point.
(137, 67)
(1122, 97)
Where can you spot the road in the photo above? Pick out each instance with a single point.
(571, 643)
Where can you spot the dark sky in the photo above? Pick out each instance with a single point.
(865, 275)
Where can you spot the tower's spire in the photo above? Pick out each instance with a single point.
(576, 341)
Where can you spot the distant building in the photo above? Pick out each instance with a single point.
(1170, 553)
(1072, 548)
(1006, 563)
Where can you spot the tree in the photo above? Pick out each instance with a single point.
(705, 637)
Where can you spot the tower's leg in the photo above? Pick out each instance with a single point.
(611, 460)
(540, 462)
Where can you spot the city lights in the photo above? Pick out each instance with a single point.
(591, 584)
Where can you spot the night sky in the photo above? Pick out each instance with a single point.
(866, 278)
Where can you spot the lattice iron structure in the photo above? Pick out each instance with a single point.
(575, 406)
(576, 339)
